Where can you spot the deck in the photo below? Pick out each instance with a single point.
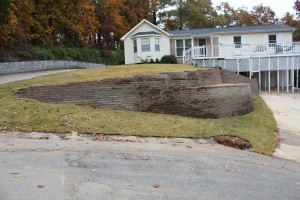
(281, 60)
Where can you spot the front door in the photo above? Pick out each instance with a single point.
(202, 43)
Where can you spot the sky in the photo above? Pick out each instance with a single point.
(279, 6)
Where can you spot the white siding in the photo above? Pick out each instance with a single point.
(257, 38)
(131, 57)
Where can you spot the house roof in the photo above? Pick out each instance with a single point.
(146, 33)
(212, 31)
(139, 24)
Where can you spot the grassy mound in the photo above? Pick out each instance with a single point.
(27, 115)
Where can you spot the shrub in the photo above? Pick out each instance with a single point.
(61, 52)
(115, 58)
(65, 53)
(169, 59)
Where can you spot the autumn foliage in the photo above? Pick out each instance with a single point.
(99, 24)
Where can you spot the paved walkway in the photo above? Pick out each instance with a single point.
(28, 75)
(286, 110)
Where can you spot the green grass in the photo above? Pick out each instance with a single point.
(18, 114)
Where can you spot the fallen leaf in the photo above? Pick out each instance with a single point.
(146, 158)
(226, 167)
(156, 186)
(100, 137)
(73, 133)
(40, 186)
(189, 147)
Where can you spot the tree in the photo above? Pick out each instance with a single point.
(263, 15)
(4, 5)
(200, 14)
(225, 15)
(15, 29)
(174, 18)
(242, 18)
(188, 14)
(87, 23)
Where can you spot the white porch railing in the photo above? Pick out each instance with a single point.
(240, 51)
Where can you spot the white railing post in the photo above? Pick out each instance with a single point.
(192, 53)
(283, 48)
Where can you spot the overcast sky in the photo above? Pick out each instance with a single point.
(279, 6)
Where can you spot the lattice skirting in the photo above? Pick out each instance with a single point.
(253, 64)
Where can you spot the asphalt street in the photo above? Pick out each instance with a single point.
(49, 166)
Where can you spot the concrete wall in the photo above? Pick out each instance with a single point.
(30, 66)
(196, 94)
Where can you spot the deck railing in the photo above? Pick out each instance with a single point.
(240, 50)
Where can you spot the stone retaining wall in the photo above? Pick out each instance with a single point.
(196, 94)
(229, 77)
(30, 66)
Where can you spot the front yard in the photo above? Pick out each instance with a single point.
(27, 115)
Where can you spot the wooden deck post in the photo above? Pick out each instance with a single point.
(265, 72)
(269, 78)
(277, 74)
(238, 66)
(259, 76)
(287, 74)
(297, 73)
(293, 74)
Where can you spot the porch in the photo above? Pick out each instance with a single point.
(239, 51)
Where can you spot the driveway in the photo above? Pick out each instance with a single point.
(286, 110)
(51, 166)
(21, 76)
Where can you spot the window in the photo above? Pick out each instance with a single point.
(272, 40)
(134, 46)
(145, 44)
(188, 44)
(237, 40)
(156, 44)
(182, 45)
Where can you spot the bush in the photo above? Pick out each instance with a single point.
(146, 60)
(115, 58)
(61, 52)
(65, 53)
(169, 59)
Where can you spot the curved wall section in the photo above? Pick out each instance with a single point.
(195, 94)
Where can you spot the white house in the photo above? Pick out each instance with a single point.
(145, 41)
(265, 52)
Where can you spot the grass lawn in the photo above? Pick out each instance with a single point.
(18, 114)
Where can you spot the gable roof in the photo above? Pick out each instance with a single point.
(212, 31)
(139, 24)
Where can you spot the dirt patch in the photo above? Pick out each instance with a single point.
(234, 142)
